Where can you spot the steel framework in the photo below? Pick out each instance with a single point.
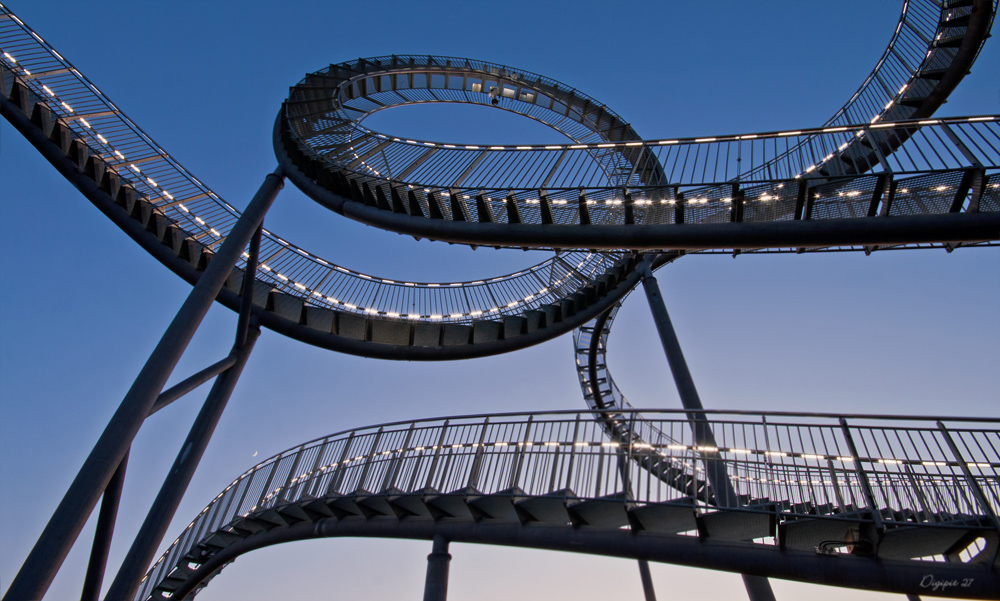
(857, 504)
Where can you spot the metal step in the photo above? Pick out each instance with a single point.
(551, 508)
(608, 511)
(910, 542)
(670, 517)
(738, 525)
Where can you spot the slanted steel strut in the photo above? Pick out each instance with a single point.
(63, 528)
(758, 588)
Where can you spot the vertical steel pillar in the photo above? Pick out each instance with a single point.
(144, 545)
(102, 536)
(63, 528)
(436, 583)
(758, 588)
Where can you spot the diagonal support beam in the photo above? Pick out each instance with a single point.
(146, 541)
(106, 518)
(63, 528)
(758, 588)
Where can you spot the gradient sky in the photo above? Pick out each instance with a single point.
(81, 305)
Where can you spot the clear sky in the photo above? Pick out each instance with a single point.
(81, 305)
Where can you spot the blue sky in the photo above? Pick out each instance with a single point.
(81, 306)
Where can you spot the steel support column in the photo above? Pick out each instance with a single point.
(647, 581)
(143, 549)
(758, 588)
(436, 583)
(102, 536)
(63, 528)
(715, 469)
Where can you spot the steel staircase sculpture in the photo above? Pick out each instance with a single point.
(868, 503)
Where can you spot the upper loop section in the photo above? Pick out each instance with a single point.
(880, 155)
(324, 113)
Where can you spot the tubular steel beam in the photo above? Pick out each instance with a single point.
(144, 545)
(246, 295)
(46, 557)
(647, 581)
(758, 588)
(102, 536)
(895, 576)
(715, 469)
(811, 233)
(187, 385)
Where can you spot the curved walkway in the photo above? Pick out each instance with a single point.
(873, 502)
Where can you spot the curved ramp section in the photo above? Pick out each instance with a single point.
(181, 222)
(864, 501)
(779, 190)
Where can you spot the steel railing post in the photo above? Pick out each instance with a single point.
(393, 472)
(371, 457)
(478, 461)
(522, 449)
(862, 476)
(338, 475)
(437, 454)
(977, 490)
(572, 452)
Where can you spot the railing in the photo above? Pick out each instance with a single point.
(902, 147)
(909, 471)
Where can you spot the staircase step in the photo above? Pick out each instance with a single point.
(738, 525)
(377, 505)
(499, 505)
(409, 504)
(910, 542)
(806, 534)
(670, 517)
(452, 505)
(604, 512)
(551, 508)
